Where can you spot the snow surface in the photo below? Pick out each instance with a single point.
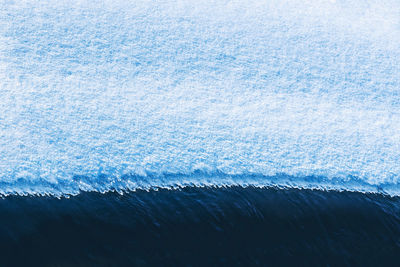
(102, 95)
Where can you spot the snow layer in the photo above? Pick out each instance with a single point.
(101, 95)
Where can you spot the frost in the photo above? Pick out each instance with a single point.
(114, 89)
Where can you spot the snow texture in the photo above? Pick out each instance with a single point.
(104, 95)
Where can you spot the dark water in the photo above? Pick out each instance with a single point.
(201, 227)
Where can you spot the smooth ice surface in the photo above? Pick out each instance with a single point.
(100, 95)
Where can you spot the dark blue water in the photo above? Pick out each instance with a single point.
(201, 227)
